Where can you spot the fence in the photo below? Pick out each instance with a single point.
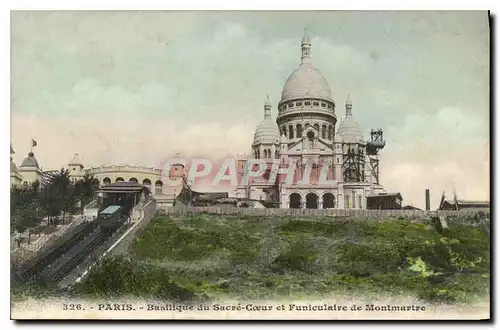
(372, 214)
(76, 220)
(148, 212)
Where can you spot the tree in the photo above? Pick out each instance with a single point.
(57, 195)
(86, 188)
(28, 217)
(25, 209)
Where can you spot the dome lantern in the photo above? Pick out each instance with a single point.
(267, 109)
(348, 106)
(306, 48)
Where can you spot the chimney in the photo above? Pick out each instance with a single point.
(427, 200)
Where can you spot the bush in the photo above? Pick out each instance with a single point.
(119, 276)
(200, 256)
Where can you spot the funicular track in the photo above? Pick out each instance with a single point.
(52, 265)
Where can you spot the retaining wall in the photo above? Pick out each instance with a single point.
(148, 212)
(372, 214)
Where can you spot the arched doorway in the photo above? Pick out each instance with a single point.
(158, 187)
(119, 179)
(311, 201)
(328, 201)
(133, 180)
(295, 200)
(106, 180)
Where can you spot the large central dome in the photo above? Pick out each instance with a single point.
(306, 80)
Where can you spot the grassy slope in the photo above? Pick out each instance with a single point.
(242, 257)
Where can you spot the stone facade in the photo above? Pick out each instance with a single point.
(304, 133)
(164, 187)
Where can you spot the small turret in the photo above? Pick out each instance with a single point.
(75, 166)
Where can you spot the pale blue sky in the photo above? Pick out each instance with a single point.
(106, 83)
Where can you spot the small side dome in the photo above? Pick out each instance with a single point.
(350, 131)
(30, 161)
(267, 132)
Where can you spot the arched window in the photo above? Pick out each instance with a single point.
(316, 127)
(299, 130)
(328, 201)
(284, 130)
(290, 132)
(323, 131)
(133, 180)
(276, 155)
(146, 182)
(312, 201)
(353, 199)
(360, 202)
(347, 204)
(158, 187)
(119, 179)
(295, 201)
(330, 132)
(106, 180)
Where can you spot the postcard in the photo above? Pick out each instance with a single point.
(250, 165)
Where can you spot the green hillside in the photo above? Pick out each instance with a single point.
(206, 256)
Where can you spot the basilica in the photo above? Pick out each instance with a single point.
(334, 167)
(343, 165)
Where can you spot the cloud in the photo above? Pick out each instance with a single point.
(438, 152)
(125, 87)
(119, 141)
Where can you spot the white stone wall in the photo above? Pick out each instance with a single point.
(30, 175)
(15, 179)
